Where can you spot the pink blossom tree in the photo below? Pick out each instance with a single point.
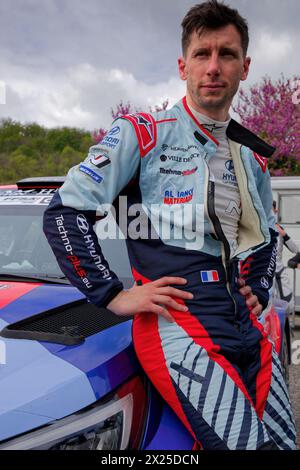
(121, 110)
(272, 111)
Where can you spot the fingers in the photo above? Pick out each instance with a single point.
(172, 291)
(159, 310)
(165, 281)
(170, 303)
(246, 291)
(251, 299)
(257, 310)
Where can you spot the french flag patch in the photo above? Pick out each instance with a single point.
(210, 276)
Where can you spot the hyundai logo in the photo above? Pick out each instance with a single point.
(230, 167)
(82, 224)
(264, 283)
(114, 131)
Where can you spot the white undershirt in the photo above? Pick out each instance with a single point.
(227, 195)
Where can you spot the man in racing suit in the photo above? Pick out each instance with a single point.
(198, 202)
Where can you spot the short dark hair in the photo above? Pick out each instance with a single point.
(213, 15)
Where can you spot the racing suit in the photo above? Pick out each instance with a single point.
(283, 288)
(214, 365)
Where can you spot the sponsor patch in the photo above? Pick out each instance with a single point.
(146, 132)
(210, 276)
(263, 162)
(230, 166)
(82, 224)
(100, 161)
(109, 141)
(176, 158)
(92, 174)
(169, 171)
(178, 197)
(264, 283)
(114, 131)
(211, 127)
(175, 148)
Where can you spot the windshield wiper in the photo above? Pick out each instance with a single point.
(53, 279)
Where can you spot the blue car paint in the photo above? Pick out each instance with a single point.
(37, 387)
(163, 429)
(38, 300)
(102, 362)
(284, 320)
(107, 358)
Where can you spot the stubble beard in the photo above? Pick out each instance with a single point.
(212, 103)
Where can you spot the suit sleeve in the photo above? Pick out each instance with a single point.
(87, 195)
(290, 244)
(258, 270)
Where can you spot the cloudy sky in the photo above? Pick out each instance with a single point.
(68, 62)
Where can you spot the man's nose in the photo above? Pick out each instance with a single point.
(213, 67)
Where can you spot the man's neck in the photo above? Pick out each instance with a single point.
(217, 115)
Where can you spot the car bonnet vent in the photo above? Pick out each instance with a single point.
(68, 325)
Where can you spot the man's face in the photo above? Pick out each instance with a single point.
(213, 67)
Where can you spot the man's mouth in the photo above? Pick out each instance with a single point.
(212, 86)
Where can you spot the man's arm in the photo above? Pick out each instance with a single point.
(89, 190)
(287, 240)
(259, 268)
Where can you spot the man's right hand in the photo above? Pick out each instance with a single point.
(153, 297)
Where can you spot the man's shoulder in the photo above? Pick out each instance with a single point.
(146, 127)
(142, 117)
(245, 137)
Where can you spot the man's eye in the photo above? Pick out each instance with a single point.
(227, 54)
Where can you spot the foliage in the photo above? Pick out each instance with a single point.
(28, 150)
(32, 150)
(271, 111)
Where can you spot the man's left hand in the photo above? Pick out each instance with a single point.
(251, 299)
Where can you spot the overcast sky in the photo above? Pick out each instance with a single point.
(67, 62)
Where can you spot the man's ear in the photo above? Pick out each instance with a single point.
(182, 68)
(246, 68)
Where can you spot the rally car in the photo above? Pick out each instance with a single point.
(69, 377)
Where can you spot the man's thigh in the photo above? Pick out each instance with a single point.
(200, 384)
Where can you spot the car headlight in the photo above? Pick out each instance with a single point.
(114, 424)
(104, 427)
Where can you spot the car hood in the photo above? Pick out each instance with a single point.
(41, 381)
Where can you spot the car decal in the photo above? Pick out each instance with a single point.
(11, 291)
(113, 359)
(31, 299)
(36, 385)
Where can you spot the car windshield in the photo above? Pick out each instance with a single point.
(24, 249)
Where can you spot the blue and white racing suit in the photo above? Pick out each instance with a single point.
(214, 365)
